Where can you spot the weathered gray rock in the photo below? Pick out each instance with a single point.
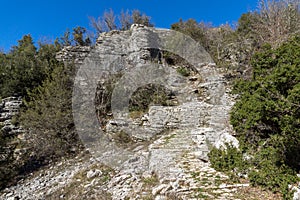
(73, 54)
(297, 193)
(9, 107)
(199, 120)
(93, 173)
(169, 143)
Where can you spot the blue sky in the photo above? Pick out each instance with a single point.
(48, 19)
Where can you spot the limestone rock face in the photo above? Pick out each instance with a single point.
(74, 54)
(9, 107)
(164, 155)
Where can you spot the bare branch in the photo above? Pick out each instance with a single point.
(109, 19)
(277, 20)
(125, 20)
(97, 24)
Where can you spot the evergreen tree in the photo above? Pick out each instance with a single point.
(48, 115)
(25, 67)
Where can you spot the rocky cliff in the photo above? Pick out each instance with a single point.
(166, 146)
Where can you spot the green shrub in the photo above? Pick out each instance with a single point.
(271, 173)
(266, 117)
(183, 71)
(228, 160)
(263, 169)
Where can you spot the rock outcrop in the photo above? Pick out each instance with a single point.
(166, 157)
(73, 54)
(9, 107)
(10, 130)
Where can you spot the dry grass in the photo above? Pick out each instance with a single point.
(256, 193)
(82, 188)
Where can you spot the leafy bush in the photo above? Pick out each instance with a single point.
(266, 119)
(267, 116)
(263, 169)
(227, 159)
(270, 172)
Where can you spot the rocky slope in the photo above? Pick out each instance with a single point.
(166, 157)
